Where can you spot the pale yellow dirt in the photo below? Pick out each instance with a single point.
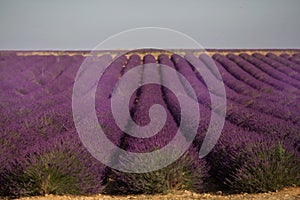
(156, 53)
(292, 193)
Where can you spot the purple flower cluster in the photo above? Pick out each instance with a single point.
(284, 61)
(254, 162)
(58, 166)
(258, 73)
(103, 94)
(295, 58)
(267, 66)
(278, 66)
(259, 104)
(187, 173)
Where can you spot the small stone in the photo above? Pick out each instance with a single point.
(219, 192)
(206, 195)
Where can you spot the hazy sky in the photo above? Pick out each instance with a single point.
(74, 24)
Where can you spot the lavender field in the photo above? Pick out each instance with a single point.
(258, 150)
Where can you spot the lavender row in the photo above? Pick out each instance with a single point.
(233, 153)
(15, 75)
(244, 89)
(56, 122)
(240, 74)
(250, 119)
(41, 136)
(264, 77)
(174, 106)
(296, 55)
(61, 165)
(284, 61)
(14, 66)
(229, 128)
(53, 91)
(151, 94)
(104, 92)
(43, 73)
(254, 162)
(285, 55)
(295, 59)
(266, 66)
(260, 105)
(278, 66)
(230, 158)
(31, 108)
(134, 61)
(153, 182)
(27, 110)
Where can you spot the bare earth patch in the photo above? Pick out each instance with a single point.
(292, 193)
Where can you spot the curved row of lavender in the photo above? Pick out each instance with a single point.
(259, 147)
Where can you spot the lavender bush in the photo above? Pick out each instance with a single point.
(188, 172)
(59, 166)
(267, 168)
(254, 163)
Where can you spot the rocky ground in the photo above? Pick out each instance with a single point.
(292, 193)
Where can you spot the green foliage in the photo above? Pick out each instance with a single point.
(59, 166)
(50, 174)
(188, 172)
(267, 169)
